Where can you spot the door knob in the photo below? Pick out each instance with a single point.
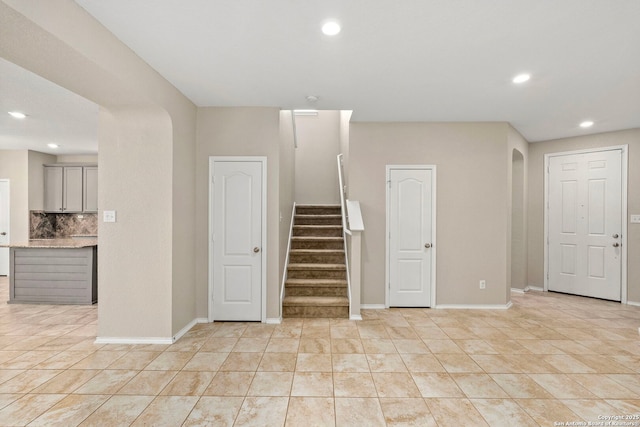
(616, 244)
(427, 245)
(256, 249)
(615, 235)
(4, 233)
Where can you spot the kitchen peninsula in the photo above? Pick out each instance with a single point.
(54, 271)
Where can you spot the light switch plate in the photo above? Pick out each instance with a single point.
(109, 216)
(635, 219)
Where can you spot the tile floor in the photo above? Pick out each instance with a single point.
(550, 359)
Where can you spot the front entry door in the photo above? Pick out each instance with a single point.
(585, 224)
(4, 226)
(410, 236)
(237, 240)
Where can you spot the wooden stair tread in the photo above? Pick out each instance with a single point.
(318, 238)
(316, 282)
(321, 216)
(318, 266)
(317, 251)
(316, 301)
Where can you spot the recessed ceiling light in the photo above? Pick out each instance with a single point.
(17, 114)
(586, 124)
(521, 78)
(52, 145)
(331, 28)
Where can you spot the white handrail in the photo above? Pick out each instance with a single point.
(345, 229)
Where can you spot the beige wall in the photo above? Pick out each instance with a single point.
(472, 201)
(146, 175)
(287, 180)
(77, 158)
(14, 166)
(238, 132)
(316, 180)
(536, 200)
(36, 178)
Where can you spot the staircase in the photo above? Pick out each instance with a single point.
(316, 284)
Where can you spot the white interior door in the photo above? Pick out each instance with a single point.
(4, 226)
(237, 240)
(411, 254)
(585, 224)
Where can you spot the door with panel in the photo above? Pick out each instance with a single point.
(4, 226)
(585, 224)
(237, 240)
(410, 214)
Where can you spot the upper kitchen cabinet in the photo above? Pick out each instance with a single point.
(90, 199)
(70, 188)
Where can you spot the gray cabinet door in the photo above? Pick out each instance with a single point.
(53, 188)
(90, 189)
(72, 191)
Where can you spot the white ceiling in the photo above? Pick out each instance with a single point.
(409, 60)
(55, 115)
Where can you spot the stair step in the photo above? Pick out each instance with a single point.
(318, 230)
(318, 219)
(316, 282)
(316, 301)
(304, 266)
(318, 210)
(317, 256)
(315, 242)
(317, 271)
(316, 287)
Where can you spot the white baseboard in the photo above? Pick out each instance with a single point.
(133, 340)
(273, 320)
(475, 306)
(519, 291)
(151, 340)
(372, 307)
(535, 288)
(355, 317)
(636, 304)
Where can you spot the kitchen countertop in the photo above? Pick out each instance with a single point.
(55, 243)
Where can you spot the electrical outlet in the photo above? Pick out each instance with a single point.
(483, 284)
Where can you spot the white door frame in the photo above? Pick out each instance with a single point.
(263, 252)
(623, 172)
(434, 246)
(8, 219)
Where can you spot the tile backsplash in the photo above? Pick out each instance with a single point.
(44, 225)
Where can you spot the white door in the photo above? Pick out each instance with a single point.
(4, 226)
(410, 231)
(237, 240)
(585, 224)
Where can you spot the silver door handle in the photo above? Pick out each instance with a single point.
(427, 245)
(615, 235)
(256, 249)
(4, 233)
(616, 244)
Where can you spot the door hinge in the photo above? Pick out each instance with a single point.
(389, 182)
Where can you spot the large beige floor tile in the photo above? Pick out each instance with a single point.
(230, 384)
(455, 412)
(353, 384)
(166, 411)
(214, 411)
(118, 411)
(407, 412)
(263, 411)
(503, 413)
(359, 412)
(70, 411)
(24, 410)
(311, 411)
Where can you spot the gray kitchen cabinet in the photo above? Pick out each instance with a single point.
(70, 188)
(53, 189)
(90, 199)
